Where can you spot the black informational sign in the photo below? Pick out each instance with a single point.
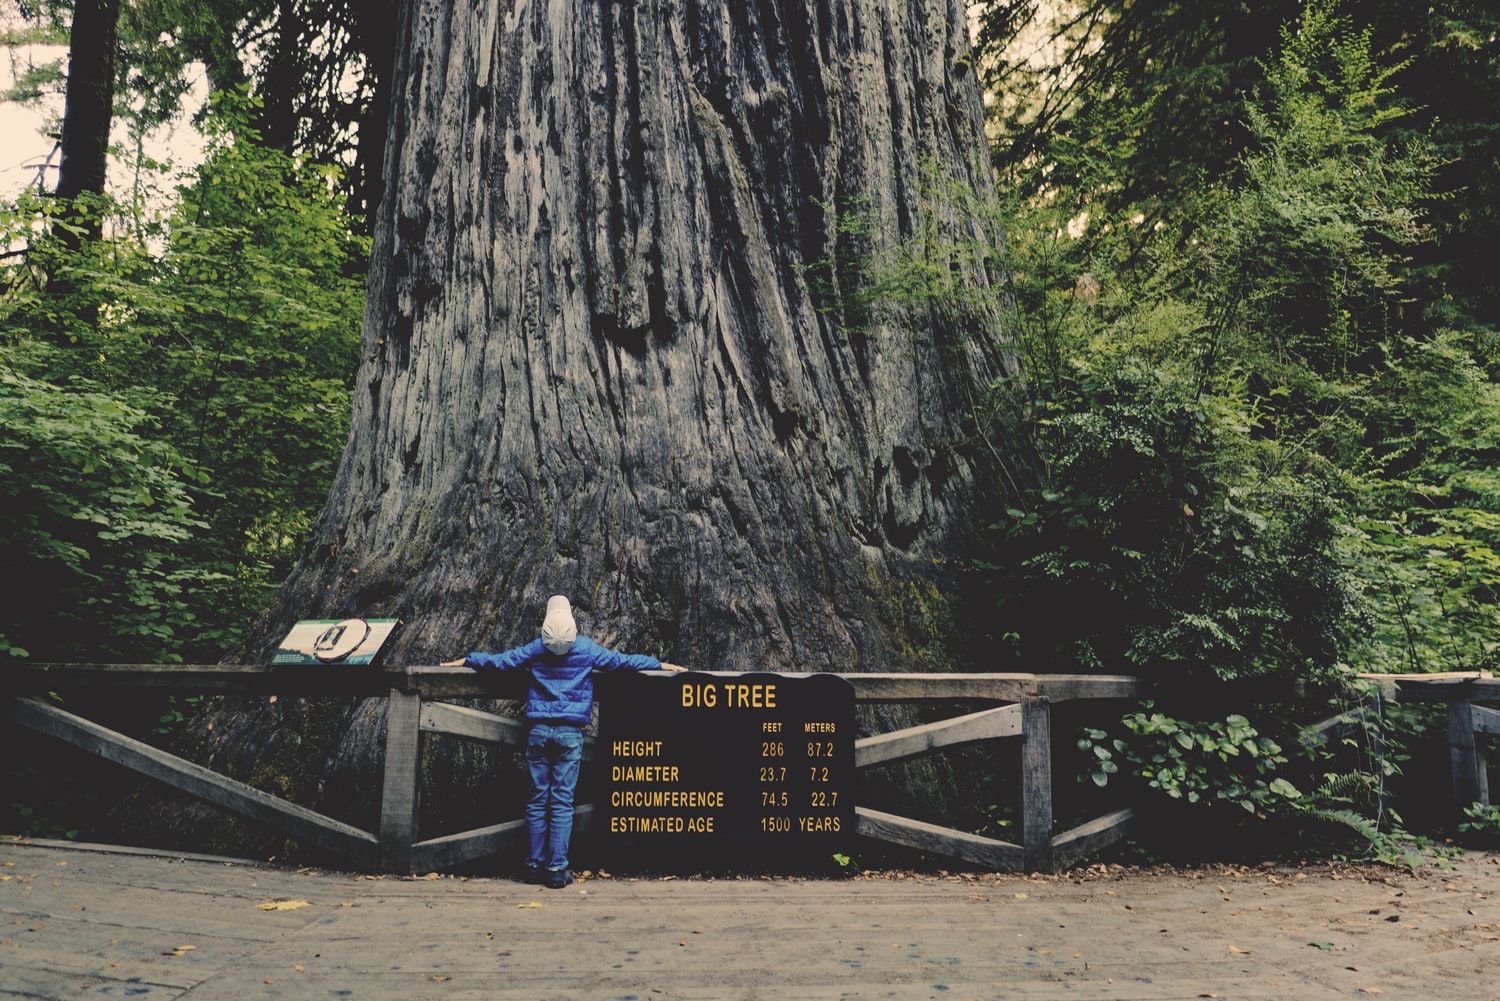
(700, 760)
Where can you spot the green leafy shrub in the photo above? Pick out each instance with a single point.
(97, 512)
(177, 395)
(1216, 761)
(1483, 825)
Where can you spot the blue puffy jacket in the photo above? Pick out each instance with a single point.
(562, 685)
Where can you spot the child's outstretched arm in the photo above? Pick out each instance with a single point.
(508, 660)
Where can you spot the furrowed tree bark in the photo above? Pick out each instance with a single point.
(612, 344)
(594, 362)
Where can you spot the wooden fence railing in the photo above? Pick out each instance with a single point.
(1017, 706)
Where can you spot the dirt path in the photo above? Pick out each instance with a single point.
(76, 923)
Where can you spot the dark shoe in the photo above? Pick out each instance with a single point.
(533, 874)
(558, 878)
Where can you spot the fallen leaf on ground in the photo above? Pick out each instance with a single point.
(1237, 949)
(529, 904)
(181, 950)
(283, 905)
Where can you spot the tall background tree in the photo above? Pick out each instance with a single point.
(318, 68)
(88, 114)
(321, 69)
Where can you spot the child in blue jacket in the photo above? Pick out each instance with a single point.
(559, 701)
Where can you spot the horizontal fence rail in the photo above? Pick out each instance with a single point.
(1013, 706)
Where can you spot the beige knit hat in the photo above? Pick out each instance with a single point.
(558, 628)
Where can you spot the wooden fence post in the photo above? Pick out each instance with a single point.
(399, 791)
(1036, 784)
(1470, 776)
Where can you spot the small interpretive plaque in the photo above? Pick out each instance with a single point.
(335, 641)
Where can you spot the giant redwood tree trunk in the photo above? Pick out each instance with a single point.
(609, 346)
(597, 362)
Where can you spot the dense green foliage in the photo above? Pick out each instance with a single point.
(96, 504)
(1260, 365)
(172, 399)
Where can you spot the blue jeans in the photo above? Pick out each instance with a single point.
(553, 754)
